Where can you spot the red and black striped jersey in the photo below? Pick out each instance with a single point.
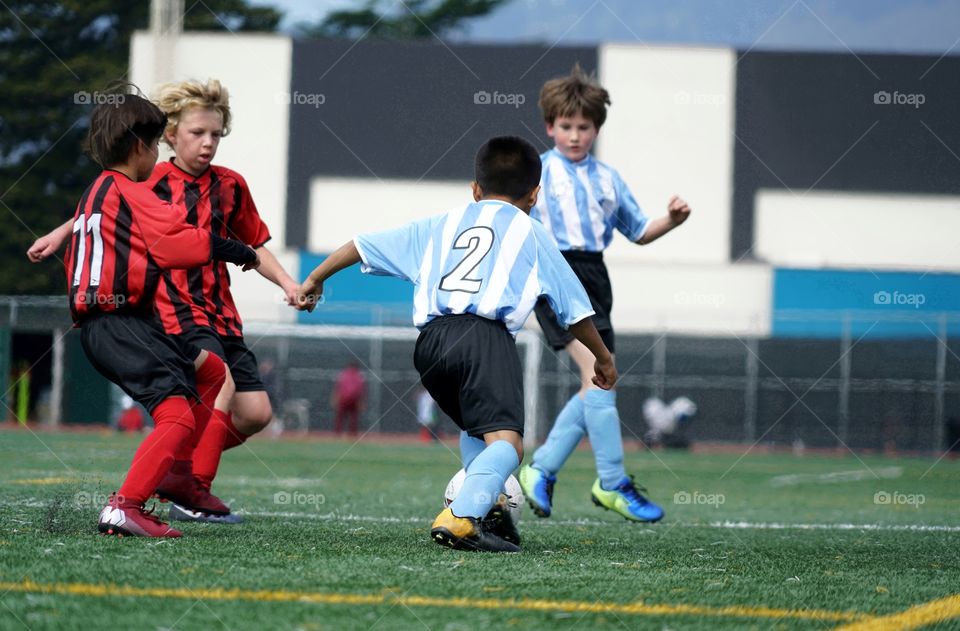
(218, 200)
(123, 239)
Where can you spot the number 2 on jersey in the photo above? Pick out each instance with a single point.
(93, 227)
(478, 240)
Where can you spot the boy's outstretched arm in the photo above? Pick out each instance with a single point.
(312, 288)
(271, 269)
(606, 371)
(50, 242)
(677, 212)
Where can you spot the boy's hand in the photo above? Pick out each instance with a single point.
(606, 374)
(42, 248)
(290, 289)
(678, 209)
(308, 296)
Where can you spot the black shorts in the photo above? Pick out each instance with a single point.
(470, 366)
(133, 352)
(592, 272)
(233, 351)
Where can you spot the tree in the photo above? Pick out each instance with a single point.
(49, 53)
(416, 19)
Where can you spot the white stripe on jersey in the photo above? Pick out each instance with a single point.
(528, 298)
(421, 300)
(510, 247)
(451, 223)
(562, 183)
(596, 213)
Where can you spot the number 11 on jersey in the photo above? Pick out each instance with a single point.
(84, 227)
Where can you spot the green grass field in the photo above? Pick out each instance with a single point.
(337, 538)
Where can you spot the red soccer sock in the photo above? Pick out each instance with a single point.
(154, 457)
(220, 435)
(209, 377)
(234, 437)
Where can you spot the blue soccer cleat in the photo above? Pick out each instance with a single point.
(182, 513)
(626, 500)
(537, 486)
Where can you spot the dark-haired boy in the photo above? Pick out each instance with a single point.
(478, 271)
(123, 236)
(583, 202)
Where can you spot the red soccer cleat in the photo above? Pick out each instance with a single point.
(180, 487)
(119, 517)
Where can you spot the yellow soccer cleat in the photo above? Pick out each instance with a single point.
(627, 501)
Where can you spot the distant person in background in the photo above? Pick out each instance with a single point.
(131, 418)
(427, 416)
(349, 398)
(667, 423)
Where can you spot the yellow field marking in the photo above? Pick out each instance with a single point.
(568, 606)
(918, 616)
(46, 481)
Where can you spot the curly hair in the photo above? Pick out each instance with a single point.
(176, 98)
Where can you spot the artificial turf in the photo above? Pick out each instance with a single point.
(336, 537)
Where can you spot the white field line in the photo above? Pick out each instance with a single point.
(886, 473)
(722, 525)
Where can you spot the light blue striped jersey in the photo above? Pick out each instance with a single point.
(487, 258)
(582, 203)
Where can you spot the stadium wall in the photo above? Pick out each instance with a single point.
(789, 160)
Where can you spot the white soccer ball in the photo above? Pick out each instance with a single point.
(512, 491)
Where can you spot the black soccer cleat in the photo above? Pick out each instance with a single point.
(467, 533)
(499, 522)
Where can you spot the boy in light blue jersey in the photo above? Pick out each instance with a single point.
(582, 202)
(478, 271)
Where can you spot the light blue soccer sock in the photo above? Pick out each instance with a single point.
(603, 427)
(470, 448)
(563, 438)
(484, 481)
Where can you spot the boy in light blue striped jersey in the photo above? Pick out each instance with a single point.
(478, 271)
(582, 202)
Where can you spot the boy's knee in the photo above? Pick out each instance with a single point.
(251, 412)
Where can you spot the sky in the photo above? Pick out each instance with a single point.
(895, 26)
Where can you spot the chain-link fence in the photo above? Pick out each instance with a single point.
(852, 390)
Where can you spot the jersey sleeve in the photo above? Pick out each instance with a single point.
(245, 222)
(170, 240)
(397, 252)
(558, 284)
(631, 221)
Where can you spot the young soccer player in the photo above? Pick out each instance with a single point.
(123, 239)
(582, 202)
(197, 305)
(478, 271)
